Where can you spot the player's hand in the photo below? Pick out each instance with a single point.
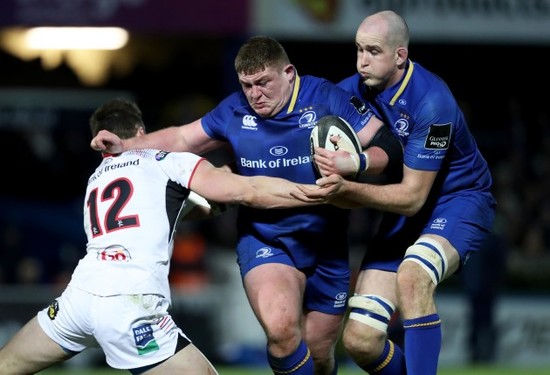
(326, 189)
(336, 162)
(329, 190)
(106, 141)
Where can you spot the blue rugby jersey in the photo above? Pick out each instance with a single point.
(279, 146)
(422, 112)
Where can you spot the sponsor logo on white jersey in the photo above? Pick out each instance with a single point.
(161, 155)
(114, 253)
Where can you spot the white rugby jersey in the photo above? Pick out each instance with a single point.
(131, 209)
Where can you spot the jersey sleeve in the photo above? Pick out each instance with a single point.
(351, 84)
(430, 138)
(179, 166)
(215, 122)
(346, 105)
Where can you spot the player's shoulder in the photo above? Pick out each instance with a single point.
(235, 99)
(154, 156)
(350, 83)
(425, 88)
(145, 153)
(309, 82)
(162, 155)
(325, 89)
(125, 164)
(235, 104)
(172, 164)
(429, 79)
(314, 89)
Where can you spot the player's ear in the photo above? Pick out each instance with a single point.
(140, 131)
(290, 72)
(401, 56)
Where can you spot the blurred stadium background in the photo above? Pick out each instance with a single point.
(178, 62)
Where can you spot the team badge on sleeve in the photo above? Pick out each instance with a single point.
(439, 137)
(161, 155)
(359, 105)
(53, 309)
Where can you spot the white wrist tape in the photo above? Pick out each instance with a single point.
(355, 162)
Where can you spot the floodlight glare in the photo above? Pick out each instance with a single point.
(72, 38)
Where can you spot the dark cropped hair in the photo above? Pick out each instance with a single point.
(259, 53)
(119, 116)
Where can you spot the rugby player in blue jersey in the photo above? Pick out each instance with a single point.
(437, 216)
(294, 262)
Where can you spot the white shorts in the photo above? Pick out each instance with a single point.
(133, 330)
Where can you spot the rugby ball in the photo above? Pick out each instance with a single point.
(329, 126)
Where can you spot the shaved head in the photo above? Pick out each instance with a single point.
(382, 42)
(390, 28)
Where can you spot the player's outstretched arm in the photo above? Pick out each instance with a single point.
(189, 137)
(404, 198)
(165, 139)
(329, 190)
(106, 141)
(219, 185)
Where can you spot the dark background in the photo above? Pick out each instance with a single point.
(181, 66)
(502, 90)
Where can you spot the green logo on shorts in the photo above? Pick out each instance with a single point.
(144, 339)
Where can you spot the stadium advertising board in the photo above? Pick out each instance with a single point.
(467, 21)
(157, 16)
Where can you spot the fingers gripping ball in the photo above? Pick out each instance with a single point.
(329, 126)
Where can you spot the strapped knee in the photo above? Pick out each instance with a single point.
(429, 254)
(371, 310)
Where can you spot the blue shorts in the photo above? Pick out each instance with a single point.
(465, 221)
(328, 277)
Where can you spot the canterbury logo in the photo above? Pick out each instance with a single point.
(249, 121)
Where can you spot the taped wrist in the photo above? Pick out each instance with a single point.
(355, 162)
(363, 163)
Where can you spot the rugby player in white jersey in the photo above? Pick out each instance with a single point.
(119, 296)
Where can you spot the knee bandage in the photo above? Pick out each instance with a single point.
(371, 310)
(429, 254)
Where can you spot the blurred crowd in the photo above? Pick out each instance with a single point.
(41, 236)
(521, 172)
